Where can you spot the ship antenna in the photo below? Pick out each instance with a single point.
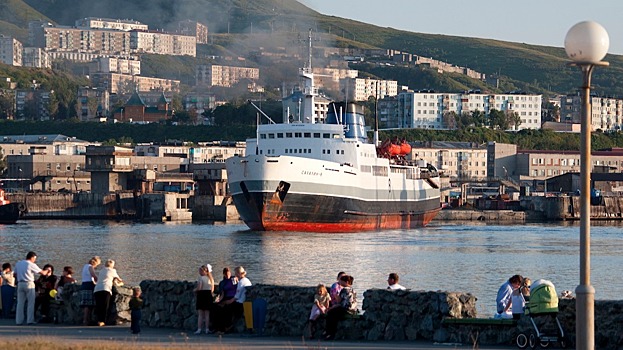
(376, 115)
(309, 52)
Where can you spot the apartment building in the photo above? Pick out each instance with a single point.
(360, 89)
(453, 159)
(429, 109)
(121, 65)
(124, 83)
(606, 113)
(193, 28)
(125, 25)
(32, 104)
(154, 42)
(227, 76)
(105, 42)
(330, 78)
(11, 51)
(36, 57)
(93, 103)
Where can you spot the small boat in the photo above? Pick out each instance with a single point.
(9, 212)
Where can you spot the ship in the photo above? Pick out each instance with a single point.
(317, 171)
(9, 211)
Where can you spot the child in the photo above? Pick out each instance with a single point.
(321, 304)
(519, 297)
(136, 303)
(7, 289)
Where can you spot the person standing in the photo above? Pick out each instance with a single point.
(103, 291)
(392, 282)
(89, 278)
(236, 303)
(221, 314)
(25, 271)
(136, 304)
(7, 289)
(204, 297)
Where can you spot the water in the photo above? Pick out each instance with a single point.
(473, 257)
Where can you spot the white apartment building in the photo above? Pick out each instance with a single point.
(428, 109)
(360, 89)
(116, 83)
(606, 113)
(105, 42)
(36, 57)
(122, 65)
(454, 159)
(227, 76)
(11, 51)
(142, 41)
(125, 25)
(330, 78)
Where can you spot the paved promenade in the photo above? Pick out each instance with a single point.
(171, 338)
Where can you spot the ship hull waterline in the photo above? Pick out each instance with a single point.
(265, 211)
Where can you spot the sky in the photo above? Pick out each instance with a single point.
(543, 22)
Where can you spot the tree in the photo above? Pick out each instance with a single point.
(498, 120)
(450, 120)
(513, 119)
(7, 105)
(2, 162)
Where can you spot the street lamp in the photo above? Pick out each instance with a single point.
(586, 44)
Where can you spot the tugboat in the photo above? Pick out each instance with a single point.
(9, 212)
(312, 174)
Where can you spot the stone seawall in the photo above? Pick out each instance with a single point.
(387, 315)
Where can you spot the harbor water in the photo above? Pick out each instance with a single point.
(467, 257)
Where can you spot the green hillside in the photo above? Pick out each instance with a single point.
(532, 68)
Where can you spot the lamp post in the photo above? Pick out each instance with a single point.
(586, 44)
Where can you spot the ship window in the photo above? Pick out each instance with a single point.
(328, 151)
(261, 152)
(288, 134)
(309, 150)
(300, 150)
(326, 136)
(271, 136)
(316, 135)
(366, 169)
(279, 135)
(307, 134)
(262, 136)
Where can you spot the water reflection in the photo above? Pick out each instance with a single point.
(471, 258)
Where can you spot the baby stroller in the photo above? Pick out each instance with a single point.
(542, 309)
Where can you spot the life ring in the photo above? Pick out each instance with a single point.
(21, 207)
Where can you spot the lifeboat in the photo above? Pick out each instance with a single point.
(405, 148)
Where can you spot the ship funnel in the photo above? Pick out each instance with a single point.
(351, 117)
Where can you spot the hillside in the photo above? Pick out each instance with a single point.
(532, 68)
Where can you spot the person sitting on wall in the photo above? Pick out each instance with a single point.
(392, 282)
(504, 298)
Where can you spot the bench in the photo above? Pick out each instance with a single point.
(485, 330)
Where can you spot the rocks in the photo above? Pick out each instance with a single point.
(387, 315)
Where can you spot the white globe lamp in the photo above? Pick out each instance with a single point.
(587, 42)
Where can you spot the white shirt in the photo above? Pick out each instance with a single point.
(105, 279)
(26, 270)
(241, 292)
(86, 274)
(396, 286)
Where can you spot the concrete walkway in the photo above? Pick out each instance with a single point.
(172, 338)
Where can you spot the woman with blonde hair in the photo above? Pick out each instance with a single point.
(204, 297)
(89, 278)
(103, 290)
